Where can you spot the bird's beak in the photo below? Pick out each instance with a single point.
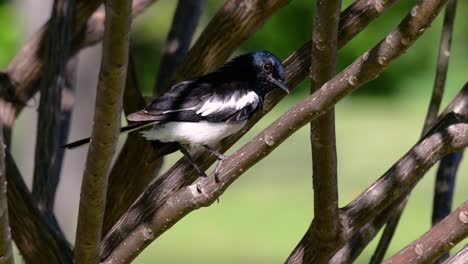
(279, 84)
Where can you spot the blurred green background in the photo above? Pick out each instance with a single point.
(264, 214)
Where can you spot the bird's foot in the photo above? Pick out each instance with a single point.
(218, 168)
(220, 158)
(199, 181)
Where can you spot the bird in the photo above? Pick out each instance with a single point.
(202, 111)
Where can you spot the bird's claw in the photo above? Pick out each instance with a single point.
(217, 170)
(199, 187)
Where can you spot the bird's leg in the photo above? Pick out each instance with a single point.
(220, 158)
(195, 165)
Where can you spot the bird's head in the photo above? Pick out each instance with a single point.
(262, 68)
(270, 71)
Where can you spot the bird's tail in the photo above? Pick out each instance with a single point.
(125, 129)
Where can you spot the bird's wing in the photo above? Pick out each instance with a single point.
(195, 100)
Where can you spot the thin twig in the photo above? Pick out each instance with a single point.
(441, 238)
(325, 231)
(6, 251)
(46, 177)
(140, 216)
(105, 130)
(431, 117)
(178, 41)
(461, 257)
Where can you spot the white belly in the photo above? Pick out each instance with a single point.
(194, 133)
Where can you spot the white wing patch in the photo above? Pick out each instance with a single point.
(236, 101)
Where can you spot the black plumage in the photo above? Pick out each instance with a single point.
(206, 109)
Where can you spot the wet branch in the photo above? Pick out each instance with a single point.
(105, 130)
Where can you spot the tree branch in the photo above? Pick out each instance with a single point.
(27, 67)
(326, 230)
(68, 98)
(130, 159)
(460, 257)
(362, 236)
(35, 238)
(140, 223)
(46, 178)
(442, 63)
(441, 238)
(178, 41)
(431, 118)
(448, 167)
(105, 130)
(21, 80)
(6, 251)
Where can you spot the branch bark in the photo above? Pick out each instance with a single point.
(46, 178)
(6, 251)
(325, 231)
(460, 257)
(361, 237)
(21, 80)
(139, 226)
(448, 167)
(431, 118)
(35, 238)
(178, 41)
(130, 159)
(105, 130)
(441, 238)
(26, 68)
(442, 64)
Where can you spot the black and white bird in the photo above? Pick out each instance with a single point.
(202, 111)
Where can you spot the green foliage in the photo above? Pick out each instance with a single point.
(9, 37)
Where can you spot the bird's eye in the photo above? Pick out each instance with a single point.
(267, 67)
